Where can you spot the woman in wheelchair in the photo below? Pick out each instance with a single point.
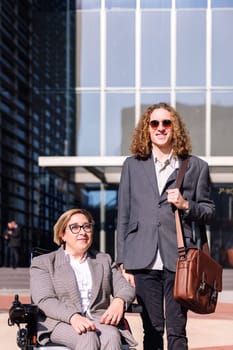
(80, 292)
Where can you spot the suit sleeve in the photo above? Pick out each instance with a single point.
(202, 207)
(123, 211)
(121, 288)
(43, 292)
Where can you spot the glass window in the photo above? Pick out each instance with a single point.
(222, 124)
(149, 99)
(191, 107)
(111, 4)
(155, 52)
(221, 3)
(88, 4)
(120, 122)
(120, 48)
(88, 49)
(191, 3)
(221, 230)
(190, 63)
(88, 124)
(222, 73)
(156, 4)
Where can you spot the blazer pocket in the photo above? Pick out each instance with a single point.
(133, 227)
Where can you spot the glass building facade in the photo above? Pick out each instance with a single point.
(92, 67)
(134, 53)
(37, 115)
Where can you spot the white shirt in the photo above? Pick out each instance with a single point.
(163, 171)
(84, 280)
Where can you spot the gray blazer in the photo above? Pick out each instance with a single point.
(55, 291)
(146, 220)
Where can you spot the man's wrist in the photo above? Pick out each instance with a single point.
(186, 207)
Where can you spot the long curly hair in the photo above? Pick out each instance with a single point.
(141, 145)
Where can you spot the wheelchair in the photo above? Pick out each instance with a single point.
(24, 316)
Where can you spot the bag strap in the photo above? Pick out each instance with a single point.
(180, 238)
(179, 180)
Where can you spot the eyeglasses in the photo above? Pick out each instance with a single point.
(166, 123)
(75, 228)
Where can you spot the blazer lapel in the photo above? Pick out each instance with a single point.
(66, 273)
(149, 167)
(97, 276)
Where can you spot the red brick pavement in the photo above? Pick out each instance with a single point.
(223, 311)
(6, 301)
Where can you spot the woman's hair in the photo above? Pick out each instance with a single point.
(141, 145)
(61, 224)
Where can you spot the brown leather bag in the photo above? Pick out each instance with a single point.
(198, 277)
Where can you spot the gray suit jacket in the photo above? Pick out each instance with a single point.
(146, 220)
(55, 291)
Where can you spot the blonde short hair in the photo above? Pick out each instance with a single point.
(61, 224)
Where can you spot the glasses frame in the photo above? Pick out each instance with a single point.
(81, 227)
(166, 123)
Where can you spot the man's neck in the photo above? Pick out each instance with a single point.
(162, 154)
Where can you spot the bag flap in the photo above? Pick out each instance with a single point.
(211, 269)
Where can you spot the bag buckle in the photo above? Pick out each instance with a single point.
(202, 286)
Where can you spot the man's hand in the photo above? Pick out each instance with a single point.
(114, 312)
(175, 197)
(82, 324)
(128, 276)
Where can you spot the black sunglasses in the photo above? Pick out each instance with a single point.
(166, 123)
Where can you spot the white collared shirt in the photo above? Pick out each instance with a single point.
(163, 171)
(84, 280)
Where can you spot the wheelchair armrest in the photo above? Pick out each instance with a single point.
(134, 308)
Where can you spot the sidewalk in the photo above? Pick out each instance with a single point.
(209, 332)
(205, 332)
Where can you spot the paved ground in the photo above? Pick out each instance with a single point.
(209, 332)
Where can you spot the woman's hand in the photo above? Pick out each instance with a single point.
(82, 324)
(114, 312)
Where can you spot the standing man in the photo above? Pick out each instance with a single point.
(14, 244)
(146, 231)
(6, 240)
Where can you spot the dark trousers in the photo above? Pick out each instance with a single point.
(154, 291)
(6, 255)
(14, 257)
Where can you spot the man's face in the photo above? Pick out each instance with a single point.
(161, 129)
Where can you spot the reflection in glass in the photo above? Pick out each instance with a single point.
(222, 124)
(190, 67)
(191, 3)
(112, 4)
(120, 48)
(221, 3)
(156, 4)
(87, 4)
(88, 49)
(222, 228)
(222, 73)
(148, 99)
(191, 107)
(155, 53)
(88, 124)
(120, 122)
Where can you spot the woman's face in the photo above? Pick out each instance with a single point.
(78, 235)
